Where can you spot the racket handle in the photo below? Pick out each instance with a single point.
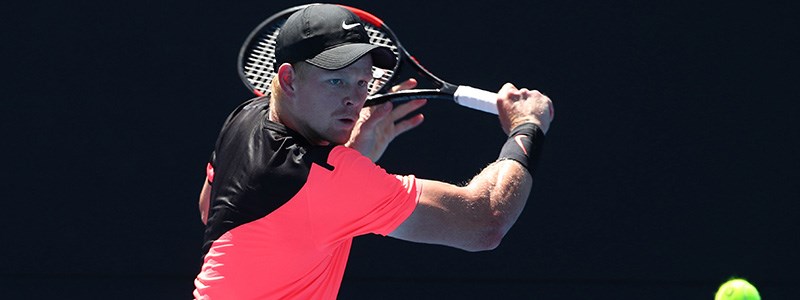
(476, 99)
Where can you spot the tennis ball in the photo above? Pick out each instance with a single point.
(737, 289)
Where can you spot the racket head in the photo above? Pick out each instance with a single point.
(257, 55)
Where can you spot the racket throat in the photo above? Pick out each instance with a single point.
(448, 88)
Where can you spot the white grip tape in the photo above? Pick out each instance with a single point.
(476, 99)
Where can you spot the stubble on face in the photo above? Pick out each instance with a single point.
(329, 102)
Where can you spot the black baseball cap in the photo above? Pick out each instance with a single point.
(327, 36)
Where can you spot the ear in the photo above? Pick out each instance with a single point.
(286, 78)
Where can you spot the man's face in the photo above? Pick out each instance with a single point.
(329, 102)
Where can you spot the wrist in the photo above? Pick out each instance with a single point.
(524, 145)
(522, 121)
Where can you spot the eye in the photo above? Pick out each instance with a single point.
(363, 83)
(336, 82)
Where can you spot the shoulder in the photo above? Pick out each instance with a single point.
(349, 165)
(342, 163)
(349, 158)
(254, 106)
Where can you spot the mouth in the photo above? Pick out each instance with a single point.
(348, 121)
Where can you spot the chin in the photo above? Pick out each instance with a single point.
(339, 139)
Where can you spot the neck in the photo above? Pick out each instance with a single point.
(277, 115)
(273, 115)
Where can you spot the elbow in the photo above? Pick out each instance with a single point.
(490, 235)
(203, 207)
(486, 243)
(204, 216)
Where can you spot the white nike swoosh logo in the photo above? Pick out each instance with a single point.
(518, 138)
(349, 26)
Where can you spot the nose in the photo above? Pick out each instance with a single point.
(357, 96)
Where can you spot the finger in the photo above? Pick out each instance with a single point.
(408, 124)
(509, 92)
(405, 85)
(537, 94)
(406, 108)
(373, 115)
(381, 110)
(506, 89)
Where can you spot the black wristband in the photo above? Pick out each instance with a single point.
(524, 145)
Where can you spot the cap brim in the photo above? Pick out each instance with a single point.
(345, 55)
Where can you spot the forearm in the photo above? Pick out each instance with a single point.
(504, 187)
(474, 217)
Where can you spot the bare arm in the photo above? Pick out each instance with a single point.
(476, 217)
(204, 202)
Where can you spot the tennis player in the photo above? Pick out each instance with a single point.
(292, 178)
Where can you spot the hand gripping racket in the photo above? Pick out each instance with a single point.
(258, 54)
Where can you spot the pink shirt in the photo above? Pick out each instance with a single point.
(300, 250)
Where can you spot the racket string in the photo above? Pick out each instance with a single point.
(380, 76)
(258, 69)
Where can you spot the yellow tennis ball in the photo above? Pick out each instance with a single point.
(737, 289)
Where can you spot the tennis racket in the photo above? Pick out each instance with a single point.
(257, 56)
